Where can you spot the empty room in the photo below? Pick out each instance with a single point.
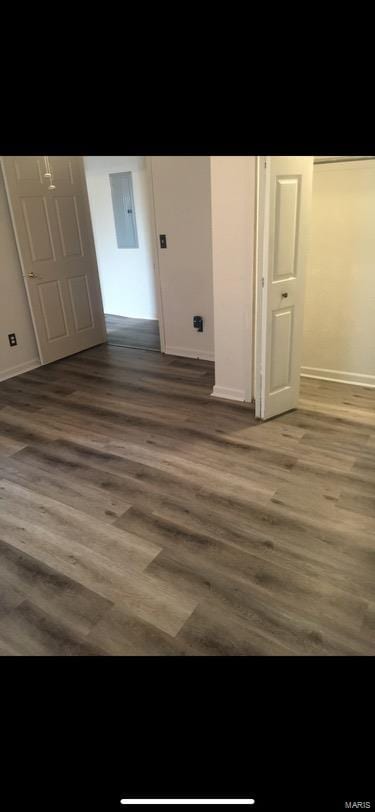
(187, 394)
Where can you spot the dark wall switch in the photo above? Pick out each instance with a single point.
(198, 323)
(12, 339)
(163, 240)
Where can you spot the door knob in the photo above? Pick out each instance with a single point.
(32, 275)
(284, 295)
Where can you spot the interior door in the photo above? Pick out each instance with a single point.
(285, 229)
(56, 246)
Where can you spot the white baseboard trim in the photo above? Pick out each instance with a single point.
(228, 394)
(11, 372)
(339, 376)
(126, 316)
(144, 318)
(187, 352)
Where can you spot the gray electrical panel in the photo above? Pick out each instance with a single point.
(123, 209)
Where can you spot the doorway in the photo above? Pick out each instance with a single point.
(339, 292)
(122, 217)
(315, 298)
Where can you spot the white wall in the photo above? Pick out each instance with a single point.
(339, 321)
(181, 188)
(233, 189)
(126, 274)
(14, 309)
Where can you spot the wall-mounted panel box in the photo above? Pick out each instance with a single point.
(123, 209)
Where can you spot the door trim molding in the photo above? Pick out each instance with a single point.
(258, 305)
(155, 253)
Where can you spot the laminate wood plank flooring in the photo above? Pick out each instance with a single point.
(139, 516)
(127, 332)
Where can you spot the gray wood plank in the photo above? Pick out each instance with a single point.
(138, 516)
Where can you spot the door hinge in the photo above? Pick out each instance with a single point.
(262, 281)
(265, 164)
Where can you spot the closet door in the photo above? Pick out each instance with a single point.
(55, 242)
(286, 215)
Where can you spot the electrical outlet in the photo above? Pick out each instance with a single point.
(12, 339)
(198, 323)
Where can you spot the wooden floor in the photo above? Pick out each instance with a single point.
(138, 333)
(139, 516)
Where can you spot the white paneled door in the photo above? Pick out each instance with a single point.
(57, 253)
(283, 254)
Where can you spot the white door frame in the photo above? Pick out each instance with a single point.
(155, 252)
(258, 277)
(154, 247)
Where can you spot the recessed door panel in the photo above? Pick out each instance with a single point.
(81, 305)
(286, 219)
(53, 310)
(70, 234)
(28, 169)
(38, 228)
(282, 331)
(62, 169)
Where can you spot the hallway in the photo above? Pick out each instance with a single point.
(138, 333)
